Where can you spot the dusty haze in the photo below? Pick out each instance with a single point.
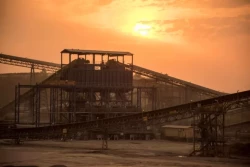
(205, 42)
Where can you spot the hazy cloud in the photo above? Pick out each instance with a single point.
(206, 3)
(215, 27)
(76, 7)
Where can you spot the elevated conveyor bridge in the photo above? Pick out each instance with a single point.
(172, 80)
(37, 64)
(210, 114)
(29, 63)
(230, 101)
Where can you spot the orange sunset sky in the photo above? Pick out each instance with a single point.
(206, 42)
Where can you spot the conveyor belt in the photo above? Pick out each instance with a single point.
(158, 116)
(25, 62)
(172, 80)
(10, 107)
(30, 63)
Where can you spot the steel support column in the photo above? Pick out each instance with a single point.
(18, 103)
(32, 74)
(37, 105)
(138, 99)
(105, 139)
(154, 98)
(208, 132)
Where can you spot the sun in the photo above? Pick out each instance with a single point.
(142, 29)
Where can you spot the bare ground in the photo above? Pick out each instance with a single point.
(120, 154)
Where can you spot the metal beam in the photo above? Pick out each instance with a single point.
(163, 115)
(29, 63)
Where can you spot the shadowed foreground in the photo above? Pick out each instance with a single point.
(120, 153)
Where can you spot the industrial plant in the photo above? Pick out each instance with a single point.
(103, 95)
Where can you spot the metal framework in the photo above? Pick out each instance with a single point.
(29, 63)
(105, 139)
(89, 95)
(208, 112)
(208, 130)
(87, 90)
(173, 81)
(66, 104)
(36, 64)
(100, 85)
(27, 95)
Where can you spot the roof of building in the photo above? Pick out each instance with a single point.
(176, 126)
(102, 52)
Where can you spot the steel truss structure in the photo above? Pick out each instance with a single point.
(173, 81)
(87, 89)
(65, 103)
(89, 95)
(29, 63)
(208, 130)
(37, 64)
(57, 68)
(207, 115)
(27, 95)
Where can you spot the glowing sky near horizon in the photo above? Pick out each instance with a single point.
(202, 41)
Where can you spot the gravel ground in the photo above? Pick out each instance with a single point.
(120, 153)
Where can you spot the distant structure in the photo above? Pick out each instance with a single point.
(89, 85)
(100, 85)
(95, 93)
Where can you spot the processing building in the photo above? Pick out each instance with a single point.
(93, 90)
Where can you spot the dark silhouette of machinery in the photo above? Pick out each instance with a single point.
(93, 90)
(98, 88)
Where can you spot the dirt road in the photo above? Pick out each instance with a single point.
(120, 154)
